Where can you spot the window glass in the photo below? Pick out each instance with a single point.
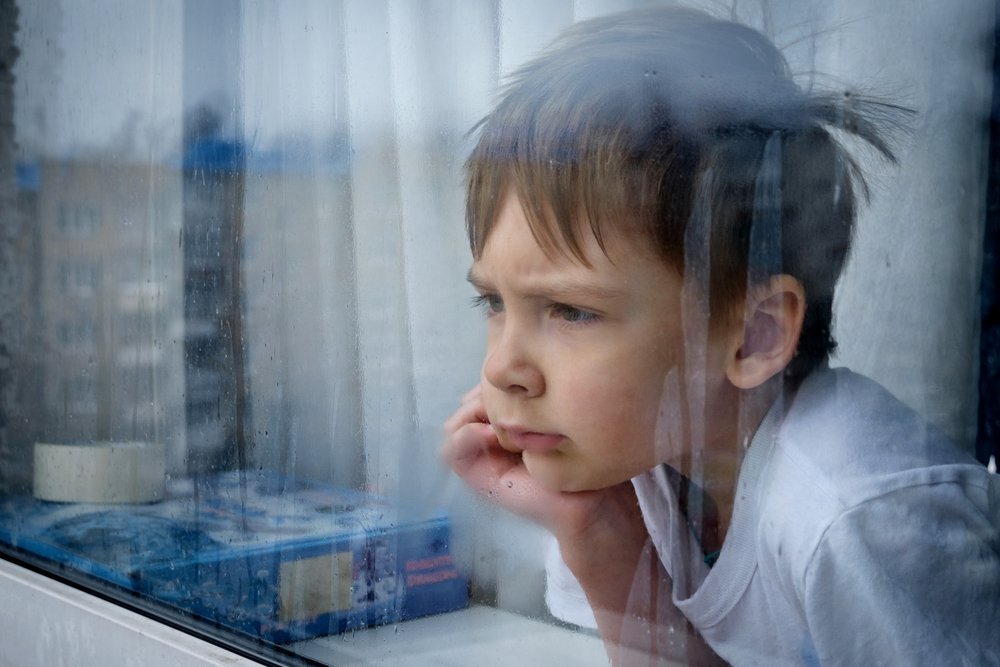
(236, 313)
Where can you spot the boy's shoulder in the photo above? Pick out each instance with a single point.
(849, 427)
(874, 518)
(848, 450)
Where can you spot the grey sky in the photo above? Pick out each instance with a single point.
(115, 75)
(89, 70)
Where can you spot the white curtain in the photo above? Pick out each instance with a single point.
(359, 334)
(374, 340)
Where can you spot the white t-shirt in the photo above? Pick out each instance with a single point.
(860, 536)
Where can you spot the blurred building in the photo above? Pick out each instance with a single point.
(215, 371)
(101, 302)
(204, 304)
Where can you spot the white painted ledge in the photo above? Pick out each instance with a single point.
(46, 623)
(481, 636)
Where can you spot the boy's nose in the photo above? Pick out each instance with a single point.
(509, 367)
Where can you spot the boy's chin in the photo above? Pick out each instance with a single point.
(559, 475)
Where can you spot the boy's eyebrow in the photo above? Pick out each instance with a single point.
(476, 281)
(554, 290)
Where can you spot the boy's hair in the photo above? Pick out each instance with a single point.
(688, 133)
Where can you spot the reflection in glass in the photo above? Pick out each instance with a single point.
(233, 234)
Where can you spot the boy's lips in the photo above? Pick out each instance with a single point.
(526, 440)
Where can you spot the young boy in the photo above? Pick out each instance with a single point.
(658, 217)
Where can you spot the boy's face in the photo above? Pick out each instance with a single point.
(581, 363)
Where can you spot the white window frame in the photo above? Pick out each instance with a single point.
(91, 632)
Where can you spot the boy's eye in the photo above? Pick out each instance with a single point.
(572, 314)
(488, 303)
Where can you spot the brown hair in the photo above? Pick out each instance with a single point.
(684, 131)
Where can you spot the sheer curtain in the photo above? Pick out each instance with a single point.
(368, 105)
(368, 333)
(364, 107)
(351, 118)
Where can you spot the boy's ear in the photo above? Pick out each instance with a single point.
(770, 332)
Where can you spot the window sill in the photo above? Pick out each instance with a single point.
(46, 622)
(475, 636)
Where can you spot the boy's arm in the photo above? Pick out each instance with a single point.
(601, 537)
(629, 590)
(911, 577)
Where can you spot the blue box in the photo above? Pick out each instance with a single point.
(279, 559)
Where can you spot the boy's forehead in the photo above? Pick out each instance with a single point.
(516, 231)
(578, 240)
(514, 248)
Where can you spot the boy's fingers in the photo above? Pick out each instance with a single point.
(518, 492)
(466, 443)
(470, 412)
(472, 394)
(474, 453)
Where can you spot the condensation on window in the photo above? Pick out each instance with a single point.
(234, 306)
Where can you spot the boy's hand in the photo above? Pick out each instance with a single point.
(473, 451)
(601, 535)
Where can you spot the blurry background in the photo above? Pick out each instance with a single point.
(237, 228)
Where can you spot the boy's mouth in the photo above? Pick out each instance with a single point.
(516, 438)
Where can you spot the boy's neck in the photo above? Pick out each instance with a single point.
(721, 464)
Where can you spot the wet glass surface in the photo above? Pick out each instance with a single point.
(236, 310)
